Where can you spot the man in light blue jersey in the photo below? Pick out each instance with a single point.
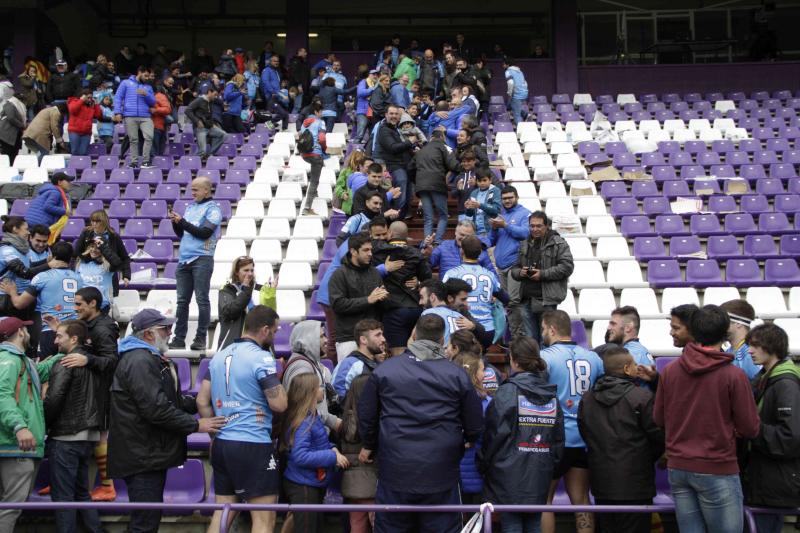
(573, 370)
(741, 315)
(433, 298)
(242, 385)
(623, 329)
(483, 282)
(54, 293)
(198, 229)
(371, 344)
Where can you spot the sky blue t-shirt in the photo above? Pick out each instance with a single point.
(573, 370)
(55, 293)
(449, 316)
(484, 285)
(200, 214)
(641, 356)
(94, 274)
(8, 254)
(36, 257)
(743, 360)
(240, 373)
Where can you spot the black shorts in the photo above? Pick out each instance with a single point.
(573, 458)
(245, 469)
(398, 324)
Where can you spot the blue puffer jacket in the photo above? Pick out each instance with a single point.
(471, 480)
(233, 97)
(270, 82)
(311, 458)
(363, 93)
(129, 103)
(47, 207)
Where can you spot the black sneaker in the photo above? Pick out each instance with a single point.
(198, 345)
(147, 165)
(175, 344)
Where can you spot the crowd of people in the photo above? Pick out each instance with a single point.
(408, 326)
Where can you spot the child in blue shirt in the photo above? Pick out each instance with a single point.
(311, 456)
(484, 202)
(96, 272)
(105, 127)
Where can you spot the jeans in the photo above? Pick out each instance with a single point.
(521, 522)
(217, 136)
(79, 144)
(313, 179)
(434, 202)
(532, 318)
(400, 179)
(159, 141)
(707, 502)
(17, 475)
(769, 523)
(512, 287)
(516, 109)
(69, 482)
(146, 487)
(362, 123)
(33, 146)
(132, 127)
(193, 277)
(329, 123)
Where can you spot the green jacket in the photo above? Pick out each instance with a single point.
(341, 188)
(406, 66)
(21, 408)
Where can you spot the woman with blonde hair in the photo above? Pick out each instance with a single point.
(380, 99)
(100, 234)
(233, 97)
(236, 299)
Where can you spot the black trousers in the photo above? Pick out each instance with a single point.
(628, 522)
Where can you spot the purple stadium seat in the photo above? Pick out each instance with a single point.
(153, 209)
(122, 209)
(596, 159)
(653, 104)
(228, 191)
(653, 158)
(97, 149)
(672, 189)
(185, 484)
(656, 205)
(107, 162)
(791, 156)
(664, 273)
(614, 189)
(186, 138)
(749, 145)
(765, 157)
(782, 94)
(763, 133)
(225, 207)
(689, 172)
(703, 273)
(663, 173)
(648, 248)
(669, 147)
(140, 229)
(139, 266)
(737, 158)
(760, 246)
(688, 115)
(735, 96)
(707, 159)
(180, 176)
(679, 159)
(743, 273)
(752, 172)
(335, 226)
(73, 229)
(635, 226)
(201, 372)
(754, 203)
(253, 150)
(86, 207)
(793, 186)
(723, 147)
(705, 225)
(722, 171)
(226, 150)
(723, 247)
(769, 186)
(587, 110)
(160, 250)
(165, 230)
(106, 191)
(541, 108)
(170, 269)
(130, 246)
(543, 117)
(328, 250)
(175, 149)
(684, 246)
(623, 159)
(244, 163)
(236, 139)
(237, 177)
(778, 145)
(164, 163)
(695, 147)
(167, 191)
(122, 176)
(92, 176)
(670, 98)
(705, 187)
(624, 206)
(150, 176)
(281, 343)
(782, 171)
(642, 189)
(190, 162)
(79, 162)
(609, 107)
(679, 106)
(739, 223)
(321, 269)
(217, 162)
(787, 203)
(315, 311)
(790, 245)
(664, 114)
(137, 192)
(669, 225)
(19, 207)
(722, 203)
(615, 147)
(774, 223)
(211, 173)
(184, 371)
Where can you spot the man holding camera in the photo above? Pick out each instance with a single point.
(544, 265)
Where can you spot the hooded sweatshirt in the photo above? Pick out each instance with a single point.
(304, 341)
(718, 396)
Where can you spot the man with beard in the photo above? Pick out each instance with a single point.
(431, 72)
(449, 302)
(132, 103)
(623, 329)
(370, 344)
(150, 417)
(243, 381)
(374, 178)
(358, 222)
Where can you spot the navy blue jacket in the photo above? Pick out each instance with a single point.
(418, 415)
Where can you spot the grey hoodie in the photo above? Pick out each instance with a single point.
(305, 341)
(426, 350)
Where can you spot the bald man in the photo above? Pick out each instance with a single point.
(623, 442)
(198, 229)
(401, 309)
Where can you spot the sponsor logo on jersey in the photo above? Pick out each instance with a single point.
(527, 408)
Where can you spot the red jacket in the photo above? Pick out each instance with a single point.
(81, 116)
(160, 110)
(704, 404)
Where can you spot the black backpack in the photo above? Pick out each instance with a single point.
(305, 142)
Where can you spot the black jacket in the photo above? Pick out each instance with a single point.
(394, 148)
(150, 418)
(360, 199)
(299, 73)
(379, 101)
(416, 266)
(113, 250)
(348, 290)
(772, 475)
(74, 400)
(432, 163)
(62, 87)
(615, 419)
(232, 310)
(102, 347)
(200, 111)
(523, 441)
(418, 413)
(555, 263)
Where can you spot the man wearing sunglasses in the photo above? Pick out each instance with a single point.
(150, 417)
